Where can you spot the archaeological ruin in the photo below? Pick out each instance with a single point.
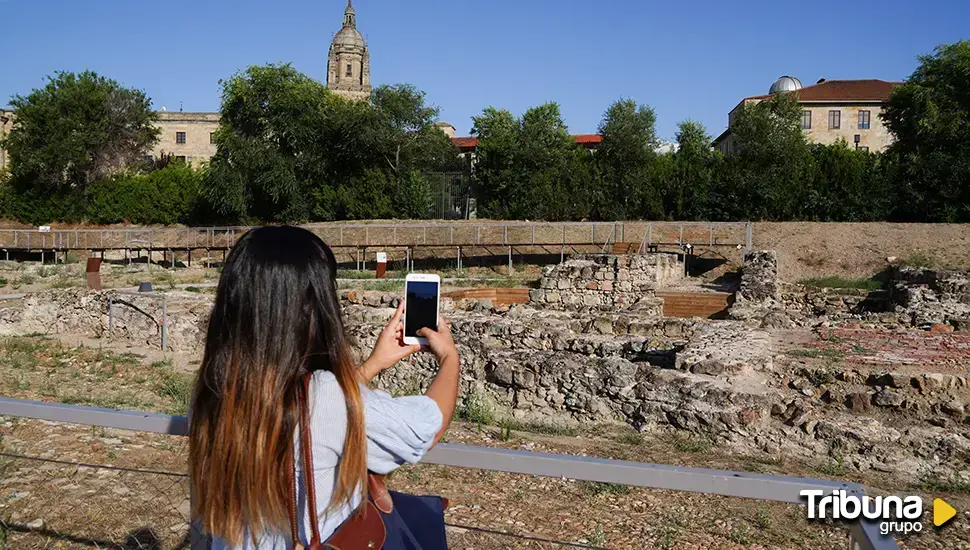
(871, 380)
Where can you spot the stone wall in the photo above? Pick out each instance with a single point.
(911, 297)
(931, 296)
(876, 138)
(759, 298)
(608, 282)
(135, 319)
(197, 127)
(716, 380)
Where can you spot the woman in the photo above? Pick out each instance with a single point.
(276, 317)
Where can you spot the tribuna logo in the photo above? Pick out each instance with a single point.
(898, 514)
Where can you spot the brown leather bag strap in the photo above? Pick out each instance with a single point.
(292, 507)
(306, 445)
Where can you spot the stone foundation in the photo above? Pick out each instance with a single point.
(931, 296)
(718, 380)
(759, 299)
(608, 282)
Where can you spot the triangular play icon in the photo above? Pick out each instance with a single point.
(942, 512)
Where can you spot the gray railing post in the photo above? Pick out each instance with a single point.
(748, 236)
(510, 259)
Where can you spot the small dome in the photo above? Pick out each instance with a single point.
(785, 84)
(349, 37)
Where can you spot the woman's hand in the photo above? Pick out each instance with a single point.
(440, 342)
(389, 349)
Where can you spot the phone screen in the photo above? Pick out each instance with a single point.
(422, 307)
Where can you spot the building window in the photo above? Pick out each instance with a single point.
(179, 137)
(350, 70)
(835, 119)
(806, 120)
(212, 138)
(180, 158)
(863, 120)
(866, 149)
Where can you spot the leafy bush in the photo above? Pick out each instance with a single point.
(167, 196)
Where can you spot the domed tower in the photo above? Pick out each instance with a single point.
(785, 84)
(348, 67)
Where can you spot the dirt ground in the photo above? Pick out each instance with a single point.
(55, 505)
(810, 249)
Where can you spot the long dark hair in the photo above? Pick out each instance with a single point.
(276, 317)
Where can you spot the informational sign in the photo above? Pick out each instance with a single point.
(381, 265)
(44, 229)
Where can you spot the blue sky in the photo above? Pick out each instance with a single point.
(687, 59)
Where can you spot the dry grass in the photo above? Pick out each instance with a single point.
(85, 508)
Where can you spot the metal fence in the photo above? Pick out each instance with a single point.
(452, 195)
(863, 535)
(403, 234)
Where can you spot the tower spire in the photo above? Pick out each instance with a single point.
(350, 18)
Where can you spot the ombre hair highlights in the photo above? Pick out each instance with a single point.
(276, 317)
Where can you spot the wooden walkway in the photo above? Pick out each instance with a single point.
(360, 242)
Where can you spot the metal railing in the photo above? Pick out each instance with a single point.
(863, 534)
(403, 234)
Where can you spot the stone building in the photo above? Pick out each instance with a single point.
(6, 123)
(187, 136)
(348, 67)
(832, 110)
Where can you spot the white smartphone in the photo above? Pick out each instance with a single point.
(421, 299)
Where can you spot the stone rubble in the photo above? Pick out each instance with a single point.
(587, 352)
(759, 300)
(607, 282)
(931, 296)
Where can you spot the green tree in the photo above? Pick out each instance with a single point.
(167, 196)
(498, 134)
(543, 155)
(929, 115)
(628, 162)
(77, 129)
(414, 195)
(522, 169)
(292, 150)
(847, 184)
(693, 169)
(279, 137)
(406, 135)
(766, 178)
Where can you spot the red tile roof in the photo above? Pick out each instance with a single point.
(465, 142)
(470, 143)
(838, 91)
(588, 139)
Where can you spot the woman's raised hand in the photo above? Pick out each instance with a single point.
(440, 341)
(390, 347)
